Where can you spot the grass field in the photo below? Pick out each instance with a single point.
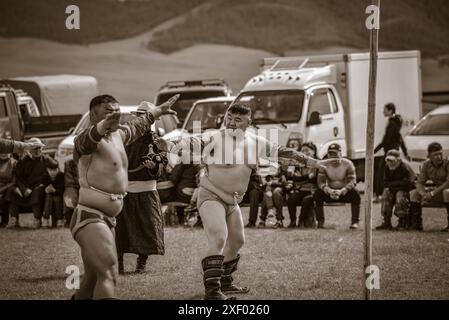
(276, 264)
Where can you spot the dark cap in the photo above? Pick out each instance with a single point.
(52, 165)
(393, 155)
(334, 147)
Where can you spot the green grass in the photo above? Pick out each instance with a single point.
(276, 264)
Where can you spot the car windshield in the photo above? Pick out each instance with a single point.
(205, 113)
(84, 122)
(186, 100)
(433, 125)
(274, 106)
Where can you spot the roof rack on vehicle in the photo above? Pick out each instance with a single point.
(192, 83)
(289, 64)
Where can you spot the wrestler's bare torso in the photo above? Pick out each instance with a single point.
(106, 170)
(228, 175)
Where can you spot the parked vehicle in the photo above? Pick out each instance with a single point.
(58, 94)
(434, 127)
(20, 119)
(165, 124)
(324, 99)
(191, 91)
(205, 113)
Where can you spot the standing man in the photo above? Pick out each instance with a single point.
(336, 183)
(391, 140)
(11, 146)
(71, 190)
(103, 178)
(222, 189)
(7, 165)
(436, 172)
(398, 181)
(140, 226)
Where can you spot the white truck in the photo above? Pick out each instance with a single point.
(324, 99)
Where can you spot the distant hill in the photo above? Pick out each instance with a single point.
(277, 26)
(285, 25)
(101, 20)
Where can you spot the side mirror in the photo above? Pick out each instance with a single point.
(315, 119)
(219, 120)
(161, 132)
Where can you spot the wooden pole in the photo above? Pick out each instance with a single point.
(369, 160)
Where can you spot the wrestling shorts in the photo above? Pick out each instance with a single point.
(82, 216)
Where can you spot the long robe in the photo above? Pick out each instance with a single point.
(140, 225)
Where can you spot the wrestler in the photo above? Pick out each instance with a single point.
(222, 188)
(11, 146)
(103, 178)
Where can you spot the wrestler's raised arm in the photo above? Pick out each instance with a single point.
(197, 142)
(136, 128)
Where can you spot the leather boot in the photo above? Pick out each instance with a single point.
(227, 285)
(212, 272)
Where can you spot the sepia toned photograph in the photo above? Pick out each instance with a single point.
(252, 150)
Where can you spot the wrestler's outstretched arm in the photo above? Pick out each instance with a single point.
(11, 146)
(197, 142)
(275, 151)
(138, 127)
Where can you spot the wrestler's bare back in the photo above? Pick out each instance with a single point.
(106, 170)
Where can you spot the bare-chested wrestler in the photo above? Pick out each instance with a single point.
(103, 178)
(222, 188)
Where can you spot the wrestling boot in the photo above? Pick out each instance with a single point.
(141, 263)
(121, 266)
(226, 279)
(212, 272)
(416, 216)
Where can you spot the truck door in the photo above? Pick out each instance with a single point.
(9, 126)
(324, 124)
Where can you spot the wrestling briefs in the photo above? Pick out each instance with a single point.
(82, 216)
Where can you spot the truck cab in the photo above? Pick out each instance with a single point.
(191, 91)
(20, 119)
(324, 99)
(301, 103)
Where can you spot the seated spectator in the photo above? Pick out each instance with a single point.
(253, 196)
(71, 190)
(7, 165)
(273, 198)
(432, 185)
(398, 181)
(337, 183)
(29, 190)
(183, 177)
(54, 190)
(300, 187)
